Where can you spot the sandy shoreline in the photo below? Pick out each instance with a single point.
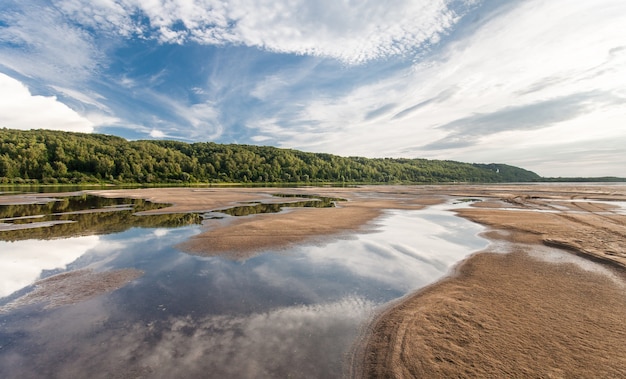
(500, 315)
(516, 315)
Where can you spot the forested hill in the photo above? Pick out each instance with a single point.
(45, 156)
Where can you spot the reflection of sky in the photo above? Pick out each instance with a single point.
(553, 255)
(277, 314)
(411, 250)
(22, 262)
(299, 341)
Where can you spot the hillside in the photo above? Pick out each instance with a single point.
(45, 156)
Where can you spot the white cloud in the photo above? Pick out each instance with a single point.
(352, 32)
(100, 119)
(348, 31)
(19, 109)
(563, 58)
(39, 43)
(156, 133)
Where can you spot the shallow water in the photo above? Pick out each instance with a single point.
(290, 313)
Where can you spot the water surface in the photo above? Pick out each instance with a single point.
(293, 313)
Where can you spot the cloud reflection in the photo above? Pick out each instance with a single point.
(22, 262)
(288, 341)
(411, 249)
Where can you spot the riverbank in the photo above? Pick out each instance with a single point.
(532, 312)
(536, 311)
(504, 315)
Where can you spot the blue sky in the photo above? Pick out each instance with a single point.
(538, 84)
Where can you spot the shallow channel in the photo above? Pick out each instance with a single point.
(292, 313)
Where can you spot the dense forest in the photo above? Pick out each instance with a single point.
(51, 157)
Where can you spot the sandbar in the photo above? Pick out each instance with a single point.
(73, 287)
(503, 312)
(517, 314)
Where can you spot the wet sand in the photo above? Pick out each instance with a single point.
(500, 315)
(516, 315)
(243, 237)
(74, 286)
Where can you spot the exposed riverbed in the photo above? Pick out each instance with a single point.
(290, 312)
(154, 293)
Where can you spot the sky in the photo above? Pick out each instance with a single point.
(536, 84)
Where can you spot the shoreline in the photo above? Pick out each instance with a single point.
(451, 328)
(457, 315)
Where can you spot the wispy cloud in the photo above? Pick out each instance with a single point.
(466, 131)
(348, 31)
(525, 66)
(37, 42)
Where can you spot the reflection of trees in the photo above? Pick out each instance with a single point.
(101, 223)
(74, 204)
(98, 215)
(320, 202)
(91, 222)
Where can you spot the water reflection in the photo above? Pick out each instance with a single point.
(246, 210)
(48, 218)
(293, 313)
(22, 263)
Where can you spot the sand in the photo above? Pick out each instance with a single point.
(500, 315)
(503, 316)
(515, 315)
(73, 287)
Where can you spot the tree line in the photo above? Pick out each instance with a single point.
(53, 157)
